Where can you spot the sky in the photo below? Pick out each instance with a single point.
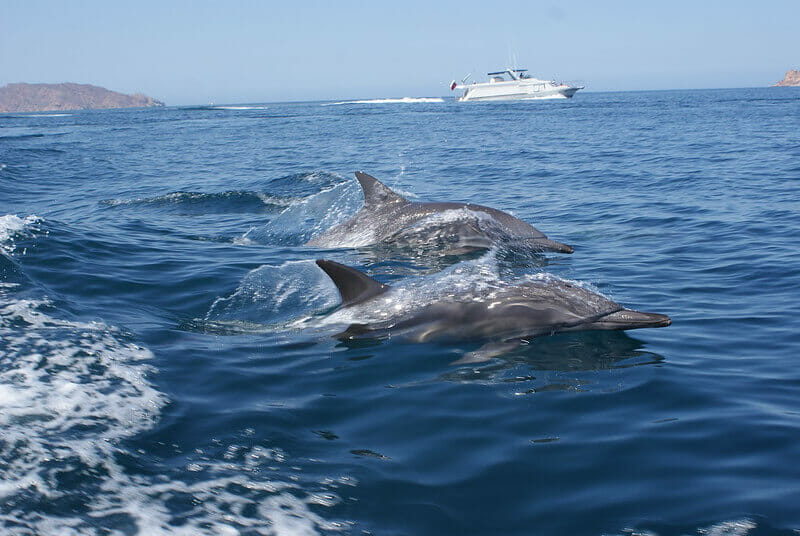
(196, 52)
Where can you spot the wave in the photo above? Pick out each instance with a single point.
(237, 201)
(22, 136)
(403, 100)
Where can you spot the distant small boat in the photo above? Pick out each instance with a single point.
(513, 84)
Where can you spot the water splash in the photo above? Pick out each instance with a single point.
(274, 294)
(12, 226)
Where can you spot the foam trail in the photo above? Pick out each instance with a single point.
(71, 393)
(37, 115)
(238, 107)
(403, 100)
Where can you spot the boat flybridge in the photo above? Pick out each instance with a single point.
(513, 84)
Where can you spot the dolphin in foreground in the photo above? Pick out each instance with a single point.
(453, 228)
(504, 317)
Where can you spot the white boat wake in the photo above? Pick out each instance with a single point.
(403, 100)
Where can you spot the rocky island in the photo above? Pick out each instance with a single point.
(24, 97)
(792, 78)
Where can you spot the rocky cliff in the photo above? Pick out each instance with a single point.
(45, 97)
(792, 78)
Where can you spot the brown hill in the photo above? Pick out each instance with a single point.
(46, 97)
(792, 78)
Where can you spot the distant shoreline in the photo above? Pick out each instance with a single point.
(23, 97)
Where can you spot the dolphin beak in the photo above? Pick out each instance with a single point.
(549, 245)
(628, 319)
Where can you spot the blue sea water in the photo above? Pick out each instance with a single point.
(166, 368)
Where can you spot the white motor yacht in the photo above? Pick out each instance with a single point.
(513, 84)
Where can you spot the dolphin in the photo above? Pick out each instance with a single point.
(452, 228)
(502, 316)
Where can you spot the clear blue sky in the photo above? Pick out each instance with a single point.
(194, 52)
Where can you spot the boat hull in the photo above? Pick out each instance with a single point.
(516, 91)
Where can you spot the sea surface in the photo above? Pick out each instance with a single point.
(167, 367)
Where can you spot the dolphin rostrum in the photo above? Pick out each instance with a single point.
(389, 218)
(504, 316)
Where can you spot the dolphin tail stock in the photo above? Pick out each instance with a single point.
(353, 286)
(376, 193)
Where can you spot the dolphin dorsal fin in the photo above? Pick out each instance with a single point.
(354, 286)
(376, 193)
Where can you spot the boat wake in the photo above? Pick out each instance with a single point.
(238, 107)
(403, 100)
(75, 394)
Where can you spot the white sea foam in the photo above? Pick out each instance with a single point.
(39, 115)
(70, 393)
(403, 100)
(12, 225)
(239, 107)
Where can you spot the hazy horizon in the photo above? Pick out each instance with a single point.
(186, 53)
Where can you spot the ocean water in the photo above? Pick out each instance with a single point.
(167, 358)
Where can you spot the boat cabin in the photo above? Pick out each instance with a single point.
(514, 74)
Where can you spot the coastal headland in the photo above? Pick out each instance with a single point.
(23, 97)
(792, 78)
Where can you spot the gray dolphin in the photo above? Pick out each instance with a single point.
(505, 316)
(389, 218)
